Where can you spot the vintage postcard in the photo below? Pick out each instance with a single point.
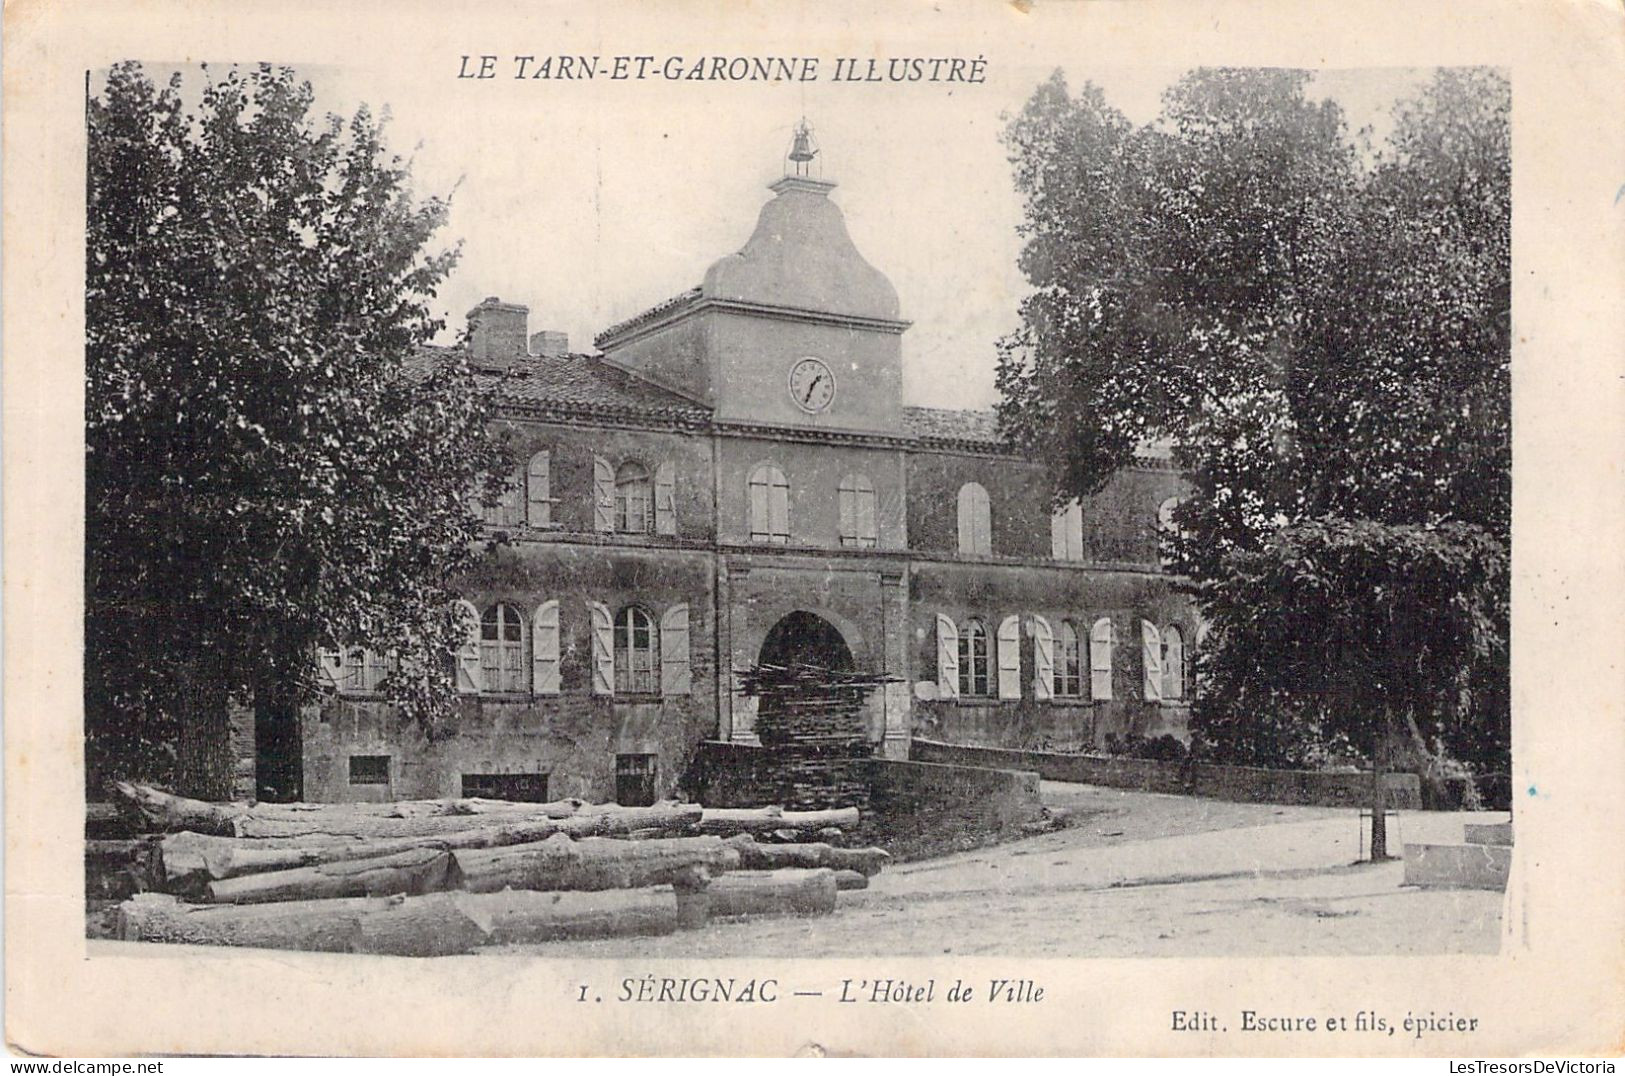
(821, 528)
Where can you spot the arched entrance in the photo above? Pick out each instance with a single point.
(802, 638)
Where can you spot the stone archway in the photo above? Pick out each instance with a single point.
(803, 638)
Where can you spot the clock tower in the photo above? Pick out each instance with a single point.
(795, 329)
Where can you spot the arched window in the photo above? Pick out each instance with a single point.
(1066, 532)
(975, 660)
(633, 496)
(857, 501)
(975, 520)
(1166, 526)
(503, 667)
(539, 490)
(1069, 662)
(637, 652)
(1173, 663)
(769, 505)
(1100, 659)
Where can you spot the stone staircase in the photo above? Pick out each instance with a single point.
(1482, 861)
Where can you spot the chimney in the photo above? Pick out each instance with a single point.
(550, 344)
(496, 332)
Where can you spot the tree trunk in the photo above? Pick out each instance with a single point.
(439, 924)
(780, 892)
(415, 871)
(1379, 791)
(188, 861)
(560, 863)
(279, 762)
(768, 819)
(203, 762)
(753, 856)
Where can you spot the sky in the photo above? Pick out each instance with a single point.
(591, 201)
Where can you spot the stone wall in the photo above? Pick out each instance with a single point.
(1240, 783)
(916, 809)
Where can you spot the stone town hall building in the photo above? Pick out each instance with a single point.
(735, 479)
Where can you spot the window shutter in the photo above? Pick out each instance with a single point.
(1057, 535)
(758, 505)
(947, 658)
(675, 676)
(330, 668)
(984, 523)
(1010, 658)
(967, 527)
(544, 648)
(1100, 659)
(665, 499)
(1173, 663)
(603, 649)
(603, 495)
(468, 655)
(848, 496)
(778, 508)
(868, 533)
(1151, 660)
(539, 490)
(1043, 659)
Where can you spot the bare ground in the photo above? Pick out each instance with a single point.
(1135, 875)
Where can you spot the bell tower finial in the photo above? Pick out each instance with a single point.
(802, 151)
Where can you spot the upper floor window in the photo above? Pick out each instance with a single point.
(1066, 532)
(634, 498)
(1166, 527)
(364, 670)
(502, 649)
(975, 659)
(769, 505)
(857, 503)
(509, 510)
(637, 652)
(1173, 663)
(975, 520)
(539, 490)
(1069, 662)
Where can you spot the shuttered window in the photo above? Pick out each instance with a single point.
(539, 490)
(603, 495)
(364, 670)
(769, 505)
(1173, 663)
(509, 511)
(637, 652)
(665, 499)
(1100, 659)
(634, 499)
(603, 649)
(975, 666)
(1066, 533)
(1009, 640)
(975, 520)
(1043, 659)
(1069, 662)
(502, 649)
(857, 508)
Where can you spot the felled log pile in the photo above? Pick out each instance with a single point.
(437, 877)
(810, 721)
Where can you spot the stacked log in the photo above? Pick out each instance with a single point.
(437, 877)
(810, 721)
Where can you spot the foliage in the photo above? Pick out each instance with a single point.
(1164, 748)
(271, 466)
(1321, 332)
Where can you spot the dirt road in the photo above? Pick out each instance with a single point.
(1137, 875)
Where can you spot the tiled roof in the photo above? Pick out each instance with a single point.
(586, 383)
(651, 314)
(942, 424)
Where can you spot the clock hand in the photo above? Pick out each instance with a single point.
(811, 385)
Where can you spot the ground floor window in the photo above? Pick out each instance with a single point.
(369, 769)
(635, 780)
(519, 787)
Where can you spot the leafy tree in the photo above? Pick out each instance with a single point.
(1321, 333)
(272, 465)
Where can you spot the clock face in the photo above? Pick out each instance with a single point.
(812, 386)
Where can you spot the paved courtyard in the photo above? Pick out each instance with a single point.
(1136, 875)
